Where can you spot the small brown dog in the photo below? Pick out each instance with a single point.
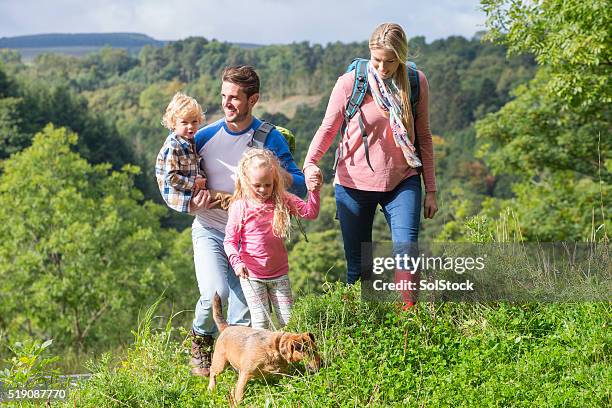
(257, 352)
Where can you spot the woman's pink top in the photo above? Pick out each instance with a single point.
(390, 167)
(249, 240)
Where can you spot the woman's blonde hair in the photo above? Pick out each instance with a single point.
(256, 158)
(182, 106)
(391, 36)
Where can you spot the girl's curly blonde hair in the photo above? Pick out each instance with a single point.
(255, 158)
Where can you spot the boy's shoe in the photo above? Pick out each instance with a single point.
(201, 354)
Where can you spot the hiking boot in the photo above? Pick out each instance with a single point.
(404, 306)
(201, 353)
(409, 296)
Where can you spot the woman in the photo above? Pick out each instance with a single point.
(393, 179)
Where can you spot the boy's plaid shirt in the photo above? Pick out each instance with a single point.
(176, 168)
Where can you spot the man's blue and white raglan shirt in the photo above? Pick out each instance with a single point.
(221, 150)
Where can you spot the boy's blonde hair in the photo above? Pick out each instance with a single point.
(182, 106)
(391, 36)
(256, 158)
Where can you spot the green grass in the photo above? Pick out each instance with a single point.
(451, 354)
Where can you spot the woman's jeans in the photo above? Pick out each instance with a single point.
(356, 209)
(215, 274)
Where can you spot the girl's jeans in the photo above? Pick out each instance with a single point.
(214, 274)
(356, 209)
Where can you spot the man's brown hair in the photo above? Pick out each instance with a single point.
(243, 76)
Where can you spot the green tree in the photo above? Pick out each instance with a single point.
(317, 261)
(10, 56)
(12, 138)
(37, 103)
(80, 253)
(570, 38)
(6, 84)
(109, 61)
(560, 206)
(560, 120)
(555, 133)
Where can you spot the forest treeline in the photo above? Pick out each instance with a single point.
(114, 101)
(521, 137)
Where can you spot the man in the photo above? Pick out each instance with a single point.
(221, 144)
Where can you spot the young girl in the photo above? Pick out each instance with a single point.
(257, 226)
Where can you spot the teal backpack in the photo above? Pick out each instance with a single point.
(360, 88)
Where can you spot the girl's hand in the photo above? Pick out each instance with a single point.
(314, 178)
(430, 208)
(242, 272)
(314, 183)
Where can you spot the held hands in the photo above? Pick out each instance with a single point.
(314, 177)
(200, 183)
(242, 272)
(202, 199)
(430, 208)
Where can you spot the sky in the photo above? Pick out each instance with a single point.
(245, 21)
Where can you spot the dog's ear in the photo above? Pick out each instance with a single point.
(311, 336)
(286, 348)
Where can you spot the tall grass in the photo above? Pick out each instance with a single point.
(450, 354)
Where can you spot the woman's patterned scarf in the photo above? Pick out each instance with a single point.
(389, 101)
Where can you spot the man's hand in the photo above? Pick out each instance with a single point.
(242, 272)
(202, 199)
(314, 177)
(430, 208)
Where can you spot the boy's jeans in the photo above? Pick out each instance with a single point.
(215, 274)
(356, 209)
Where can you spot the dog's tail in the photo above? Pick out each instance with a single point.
(218, 313)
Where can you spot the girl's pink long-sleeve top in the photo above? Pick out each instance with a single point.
(249, 240)
(390, 167)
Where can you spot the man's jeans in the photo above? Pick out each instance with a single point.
(215, 274)
(356, 209)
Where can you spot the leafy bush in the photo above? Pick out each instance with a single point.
(29, 365)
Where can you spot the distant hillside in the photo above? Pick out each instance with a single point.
(30, 46)
(120, 40)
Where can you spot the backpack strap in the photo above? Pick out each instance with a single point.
(360, 88)
(413, 80)
(261, 134)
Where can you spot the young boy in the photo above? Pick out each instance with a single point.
(178, 168)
